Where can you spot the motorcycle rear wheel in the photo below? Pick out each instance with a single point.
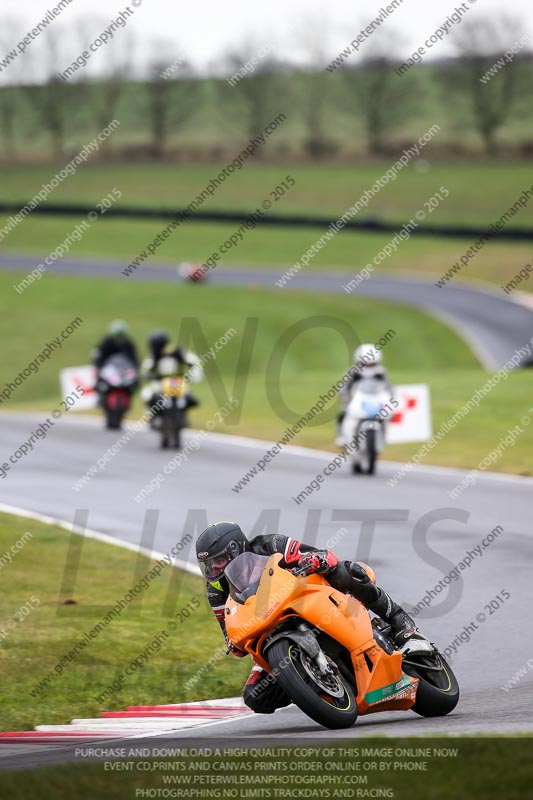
(438, 691)
(285, 658)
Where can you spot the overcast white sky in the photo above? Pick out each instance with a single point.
(205, 28)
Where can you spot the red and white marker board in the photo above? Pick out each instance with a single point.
(411, 421)
(72, 377)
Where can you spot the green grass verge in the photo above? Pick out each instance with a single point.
(105, 574)
(326, 189)
(423, 350)
(275, 247)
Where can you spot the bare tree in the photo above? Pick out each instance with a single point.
(54, 101)
(103, 84)
(8, 111)
(382, 100)
(315, 85)
(171, 97)
(487, 90)
(12, 75)
(254, 92)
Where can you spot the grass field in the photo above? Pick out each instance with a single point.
(422, 350)
(328, 190)
(269, 248)
(479, 192)
(34, 645)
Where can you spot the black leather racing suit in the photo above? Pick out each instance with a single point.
(113, 345)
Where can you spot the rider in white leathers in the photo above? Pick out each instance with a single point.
(368, 363)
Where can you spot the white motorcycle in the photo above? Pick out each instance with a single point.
(363, 426)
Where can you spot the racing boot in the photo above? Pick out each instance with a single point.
(402, 625)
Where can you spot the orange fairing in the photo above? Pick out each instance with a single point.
(280, 596)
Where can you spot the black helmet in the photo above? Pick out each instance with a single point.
(157, 341)
(217, 546)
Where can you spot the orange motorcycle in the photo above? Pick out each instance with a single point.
(324, 651)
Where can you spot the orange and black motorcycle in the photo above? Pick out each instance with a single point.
(324, 651)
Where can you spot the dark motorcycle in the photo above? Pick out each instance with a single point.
(172, 400)
(117, 382)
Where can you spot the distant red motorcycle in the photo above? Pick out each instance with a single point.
(117, 382)
(192, 272)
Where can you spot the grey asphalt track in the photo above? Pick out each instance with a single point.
(408, 561)
(493, 325)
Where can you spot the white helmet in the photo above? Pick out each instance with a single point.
(367, 355)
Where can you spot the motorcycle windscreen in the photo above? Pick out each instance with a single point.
(244, 575)
(118, 370)
(368, 397)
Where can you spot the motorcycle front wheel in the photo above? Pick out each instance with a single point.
(328, 700)
(113, 418)
(368, 466)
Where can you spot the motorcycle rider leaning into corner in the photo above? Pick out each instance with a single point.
(367, 363)
(221, 542)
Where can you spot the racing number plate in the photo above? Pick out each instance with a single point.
(173, 387)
